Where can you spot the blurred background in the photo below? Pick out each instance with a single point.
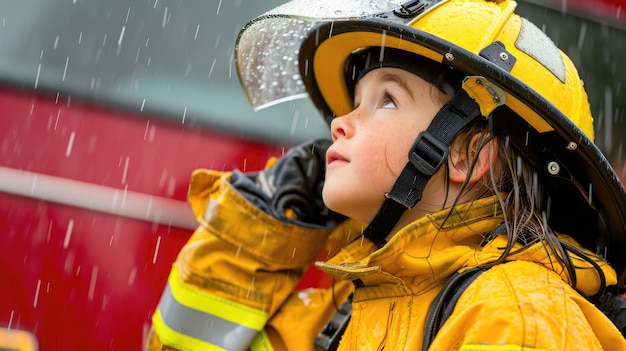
(107, 107)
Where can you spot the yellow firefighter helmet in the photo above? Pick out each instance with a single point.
(509, 67)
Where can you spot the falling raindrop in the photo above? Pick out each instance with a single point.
(149, 208)
(70, 144)
(105, 301)
(114, 202)
(165, 16)
(69, 262)
(92, 283)
(37, 293)
(121, 37)
(171, 187)
(33, 185)
(37, 76)
(125, 170)
(123, 204)
(132, 275)
(49, 232)
(251, 288)
(11, 319)
(56, 120)
(68, 234)
(195, 36)
(156, 250)
(67, 61)
(217, 41)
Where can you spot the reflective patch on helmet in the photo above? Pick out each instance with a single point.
(536, 44)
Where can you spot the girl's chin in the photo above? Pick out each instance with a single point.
(345, 209)
(336, 206)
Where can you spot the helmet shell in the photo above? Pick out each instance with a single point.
(455, 33)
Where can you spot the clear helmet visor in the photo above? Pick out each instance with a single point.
(268, 47)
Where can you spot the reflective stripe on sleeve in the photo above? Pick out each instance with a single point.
(190, 319)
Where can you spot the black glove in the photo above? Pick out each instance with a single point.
(293, 183)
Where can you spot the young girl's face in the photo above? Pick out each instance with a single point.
(371, 143)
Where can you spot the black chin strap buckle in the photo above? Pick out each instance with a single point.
(428, 154)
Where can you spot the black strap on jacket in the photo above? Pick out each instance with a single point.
(443, 305)
(440, 309)
(427, 155)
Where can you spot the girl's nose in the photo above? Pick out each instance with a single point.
(342, 126)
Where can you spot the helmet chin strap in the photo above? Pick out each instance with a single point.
(426, 157)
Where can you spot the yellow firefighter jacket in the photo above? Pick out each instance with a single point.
(232, 286)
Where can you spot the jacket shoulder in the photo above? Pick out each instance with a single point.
(523, 303)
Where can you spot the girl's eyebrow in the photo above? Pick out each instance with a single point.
(385, 76)
(390, 77)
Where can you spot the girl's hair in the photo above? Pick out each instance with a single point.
(522, 196)
(525, 201)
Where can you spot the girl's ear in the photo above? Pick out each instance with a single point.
(460, 161)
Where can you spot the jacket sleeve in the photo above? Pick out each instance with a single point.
(234, 273)
(523, 305)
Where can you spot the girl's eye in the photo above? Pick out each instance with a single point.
(388, 104)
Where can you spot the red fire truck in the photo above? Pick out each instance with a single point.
(107, 106)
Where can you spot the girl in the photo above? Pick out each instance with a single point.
(460, 141)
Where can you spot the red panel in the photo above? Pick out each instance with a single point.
(92, 291)
(84, 280)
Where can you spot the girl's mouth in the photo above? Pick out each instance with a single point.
(334, 157)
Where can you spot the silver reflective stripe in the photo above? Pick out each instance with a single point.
(536, 44)
(202, 326)
(128, 204)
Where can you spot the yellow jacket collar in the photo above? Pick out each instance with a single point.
(423, 254)
(427, 252)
